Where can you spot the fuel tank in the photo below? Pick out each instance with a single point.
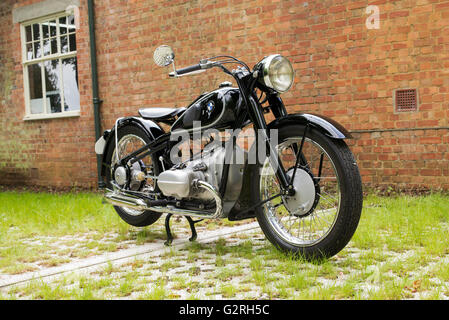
(217, 109)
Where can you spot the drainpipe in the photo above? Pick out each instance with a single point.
(96, 99)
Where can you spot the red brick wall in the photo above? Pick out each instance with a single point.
(56, 152)
(409, 159)
(343, 70)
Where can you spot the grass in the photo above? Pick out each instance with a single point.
(51, 227)
(414, 222)
(399, 251)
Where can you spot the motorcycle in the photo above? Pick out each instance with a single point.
(303, 186)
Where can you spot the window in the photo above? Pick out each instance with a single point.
(50, 67)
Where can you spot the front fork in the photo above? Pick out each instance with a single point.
(275, 162)
(256, 114)
(246, 85)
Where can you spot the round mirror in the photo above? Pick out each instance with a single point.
(163, 56)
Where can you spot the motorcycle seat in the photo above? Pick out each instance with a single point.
(160, 113)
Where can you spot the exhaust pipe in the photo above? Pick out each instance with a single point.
(121, 199)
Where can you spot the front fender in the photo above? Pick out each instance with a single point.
(152, 129)
(326, 125)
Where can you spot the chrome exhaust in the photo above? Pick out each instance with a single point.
(122, 200)
(119, 198)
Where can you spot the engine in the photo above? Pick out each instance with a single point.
(179, 181)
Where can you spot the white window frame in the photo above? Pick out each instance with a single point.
(57, 56)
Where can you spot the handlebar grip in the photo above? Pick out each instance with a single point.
(185, 70)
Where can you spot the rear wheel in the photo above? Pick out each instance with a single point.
(131, 138)
(320, 219)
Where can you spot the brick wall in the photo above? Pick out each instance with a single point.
(343, 70)
(409, 159)
(56, 152)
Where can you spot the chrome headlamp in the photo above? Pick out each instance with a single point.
(277, 73)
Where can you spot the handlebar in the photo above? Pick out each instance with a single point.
(202, 66)
(189, 69)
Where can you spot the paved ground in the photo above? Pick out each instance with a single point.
(234, 262)
(145, 251)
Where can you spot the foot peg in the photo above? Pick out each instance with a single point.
(169, 234)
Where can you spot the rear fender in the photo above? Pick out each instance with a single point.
(152, 129)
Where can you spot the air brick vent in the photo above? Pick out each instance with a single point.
(406, 100)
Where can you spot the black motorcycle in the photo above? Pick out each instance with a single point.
(298, 178)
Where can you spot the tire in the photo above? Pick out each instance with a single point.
(134, 218)
(279, 219)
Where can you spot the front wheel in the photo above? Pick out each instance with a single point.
(322, 216)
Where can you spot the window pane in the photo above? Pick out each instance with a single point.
(52, 85)
(72, 41)
(28, 34)
(63, 25)
(53, 28)
(37, 49)
(45, 30)
(35, 88)
(54, 46)
(36, 32)
(29, 51)
(64, 44)
(71, 91)
(46, 47)
(71, 23)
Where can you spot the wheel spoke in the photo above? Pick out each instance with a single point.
(321, 218)
(327, 196)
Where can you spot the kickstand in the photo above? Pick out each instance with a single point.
(169, 234)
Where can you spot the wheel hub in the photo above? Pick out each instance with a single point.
(120, 176)
(303, 200)
(136, 176)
